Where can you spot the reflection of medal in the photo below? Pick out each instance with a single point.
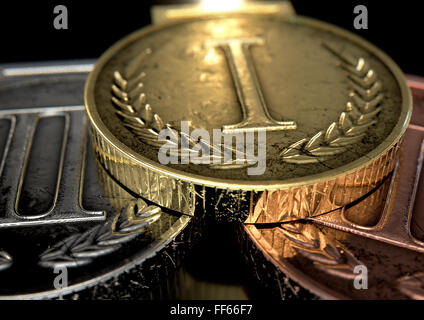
(92, 230)
(333, 109)
(237, 73)
(327, 254)
(63, 228)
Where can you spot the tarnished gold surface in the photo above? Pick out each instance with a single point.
(347, 102)
(385, 237)
(321, 259)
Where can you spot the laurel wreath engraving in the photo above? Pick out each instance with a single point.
(305, 238)
(361, 112)
(412, 285)
(132, 109)
(81, 249)
(326, 253)
(5, 260)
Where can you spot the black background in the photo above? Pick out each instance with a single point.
(27, 32)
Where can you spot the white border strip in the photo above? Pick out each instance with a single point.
(47, 70)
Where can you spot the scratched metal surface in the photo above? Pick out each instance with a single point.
(190, 262)
(195, 265)
(52, 199)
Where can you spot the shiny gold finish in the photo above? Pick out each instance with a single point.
(309, 201)
(320, 253)
(168, 13)
(349, 103)
(318, 258)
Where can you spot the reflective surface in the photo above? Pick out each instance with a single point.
(214, 269)
(332, 130)
(322, 252)
(58, 209)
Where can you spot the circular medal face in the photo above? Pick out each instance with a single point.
(65, 227)
(307, 107)
(64, 259)
(367, 250)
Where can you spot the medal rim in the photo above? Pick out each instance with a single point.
(156, 246)
(380, 150)
(281, 264)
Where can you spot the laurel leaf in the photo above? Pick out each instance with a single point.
(120, 82)
(326, 151)
(121, 95)
(360, 113)
(123, 106)
(140, 101)
(331, 133)
(81, 249)
(315, 141)
(367, 118)
(147, 114)
(138, 117)
(412, 285)
(157, 124)
(134, 81)
(294, 149)
(5, 260)
(136, 92)
(326, 253)
(343, 141)
(365, 82)
(344, 122)
(135, 64)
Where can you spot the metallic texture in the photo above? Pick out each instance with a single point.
(361, 112)
(255, 113)
(5, 260)
(82, 248)
(37, 70)
(93, 226)
(320, 253)
(354, 153)
(169, 13)
(129, 99)
(67, 198)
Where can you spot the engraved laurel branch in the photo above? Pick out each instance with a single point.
(137, 115)
(412, 285)
(5, 260)
(326, 253)
(361, 112)
(83, 248)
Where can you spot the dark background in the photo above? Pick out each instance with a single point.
(27, 32)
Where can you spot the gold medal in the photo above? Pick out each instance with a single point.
(370, 244)
(271, 117)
